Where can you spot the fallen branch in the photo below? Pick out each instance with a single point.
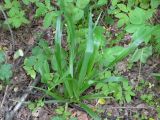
(130, 107)
(9, 115)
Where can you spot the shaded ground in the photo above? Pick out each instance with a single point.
(24, 37)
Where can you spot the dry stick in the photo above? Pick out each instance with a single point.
(4, 97)
(10, 30)
(10, 115)
(131, 107)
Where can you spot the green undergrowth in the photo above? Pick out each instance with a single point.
(69, 73)
(91, 52)
(5, 68)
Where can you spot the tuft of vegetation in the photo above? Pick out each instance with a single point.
(84, 53)
(5, 69)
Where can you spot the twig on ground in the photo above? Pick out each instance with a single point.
(9, 27)
(130, 107)
(4, 97)
(10, 114)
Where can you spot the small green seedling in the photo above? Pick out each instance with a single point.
(5, 68)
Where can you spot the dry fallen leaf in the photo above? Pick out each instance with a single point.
(31, 41)
(101, 101)
(82, 116)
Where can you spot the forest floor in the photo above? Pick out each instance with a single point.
(25, 37)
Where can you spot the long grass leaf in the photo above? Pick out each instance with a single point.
(68, 86)
(58, 52)
(54, 95)
(71, 37)
(88, 53)
(94, 96)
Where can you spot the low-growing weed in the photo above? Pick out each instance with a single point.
(16, 16)
(69, 73)
(5, 69)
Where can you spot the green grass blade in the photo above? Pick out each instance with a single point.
(88, 53)
(93, 57)
(71, 37)
(58, 52)
(54, 95)
(96, 23)
(93, 96)
(75, 90)
(68, 86)
(90, 111)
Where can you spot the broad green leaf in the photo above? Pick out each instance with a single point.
(46, 67)
(109, 20)
(137, 16)
(114, 2)
(123, 19)
(131, 28)
(48, 3)
(102, 2)
(142, 54)
(77, 14)
(130, 3)
(122, 7)
(155, 3)
(126, 51)
(82, 3)
(41, 9)
(110, 54)
(120, 23)
(127, 97)
(145, 5)
(26, 2)
(8, 4)
(5, 72)
(29, 62)
(30, 71)
(48, 19)
(143, 32)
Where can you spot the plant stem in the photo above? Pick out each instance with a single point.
(9, 27)
(4, 97)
